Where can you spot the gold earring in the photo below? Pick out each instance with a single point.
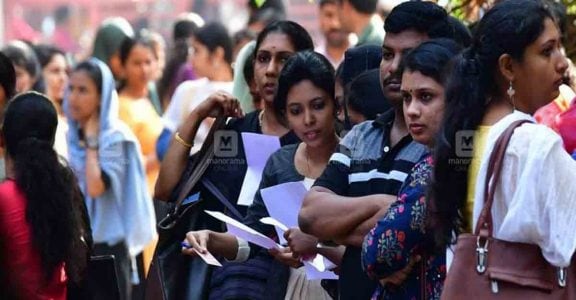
(511, 91)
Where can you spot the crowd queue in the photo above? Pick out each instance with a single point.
(390, 133)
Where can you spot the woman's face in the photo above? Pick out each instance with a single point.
(310, 113)
(139, 66)
(270, 57)
(539, 74)
(201, 59)
(56, 77)
(423, 100)
(84, 98)
(24, 81)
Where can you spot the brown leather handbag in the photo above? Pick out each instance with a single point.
(488, 268)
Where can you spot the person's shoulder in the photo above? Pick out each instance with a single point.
(535, 137)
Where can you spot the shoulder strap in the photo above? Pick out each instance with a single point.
(484, 224)
(201, 162)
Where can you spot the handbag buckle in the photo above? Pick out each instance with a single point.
(481, 255)
(494, 286)
(562, 277)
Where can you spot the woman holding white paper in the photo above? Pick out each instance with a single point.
(305, 103)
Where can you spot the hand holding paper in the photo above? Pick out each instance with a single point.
(244, 232)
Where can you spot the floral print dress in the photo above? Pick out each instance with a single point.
(400, 235)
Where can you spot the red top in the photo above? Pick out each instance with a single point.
(17, 253)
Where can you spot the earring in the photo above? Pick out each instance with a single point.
(511, 93)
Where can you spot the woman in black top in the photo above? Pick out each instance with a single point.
(305, 102)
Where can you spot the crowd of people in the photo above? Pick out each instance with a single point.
(370, 119)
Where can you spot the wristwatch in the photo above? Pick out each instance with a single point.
(91, 142)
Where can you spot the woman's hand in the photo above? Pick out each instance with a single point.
(301, 244)
(92, 126)
(286, 257)
(198, 241)
(219, 103)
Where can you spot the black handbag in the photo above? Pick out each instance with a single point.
(173, 275)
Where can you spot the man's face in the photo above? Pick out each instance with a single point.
(393, 49)
(343, 15)
(330, 25)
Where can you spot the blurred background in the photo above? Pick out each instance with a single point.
(46, 21)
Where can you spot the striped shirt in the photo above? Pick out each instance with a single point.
(366, 164)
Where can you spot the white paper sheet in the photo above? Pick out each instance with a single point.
(209, 258)
(313, 274)
(283, 201)
(258, 148)
(275, 223)
(244, 232)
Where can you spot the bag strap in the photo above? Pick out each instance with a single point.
(484, 223)
(216, 192)
(201, 162)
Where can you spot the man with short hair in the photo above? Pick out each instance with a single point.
(335, 38)
(364, 176)
(359, 17)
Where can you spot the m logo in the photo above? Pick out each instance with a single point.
(464, 143)
(225, 143)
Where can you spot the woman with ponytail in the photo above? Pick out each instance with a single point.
(513, 67)
(41, 225)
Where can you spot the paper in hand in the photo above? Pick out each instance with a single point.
(208, 258)
(257, 148)
(244, 232)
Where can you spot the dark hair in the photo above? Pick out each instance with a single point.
(421, 16)
(558, 10)
(364, 6)
(7, 76)
(508, 28)
(321, 3)
(267, 16)
(432, 59)
(51, 190)
(244, 34)
(183, 29)
(178, 57)
(248, 70)
(364, 94)
(462, 34)
(129, 43)
(45, 53)
(358, 60)
(93, 71)
(22, 55)
(298, 36)
(214, 35)
(305, 65)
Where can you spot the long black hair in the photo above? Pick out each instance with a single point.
(53, 199)
(508, 28)
(214, 35)
(7, 76)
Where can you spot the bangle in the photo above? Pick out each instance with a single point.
(182, 142)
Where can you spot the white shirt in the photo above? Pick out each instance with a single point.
(187, 96)
(535, 201)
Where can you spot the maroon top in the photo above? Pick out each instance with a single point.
(17, 253)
